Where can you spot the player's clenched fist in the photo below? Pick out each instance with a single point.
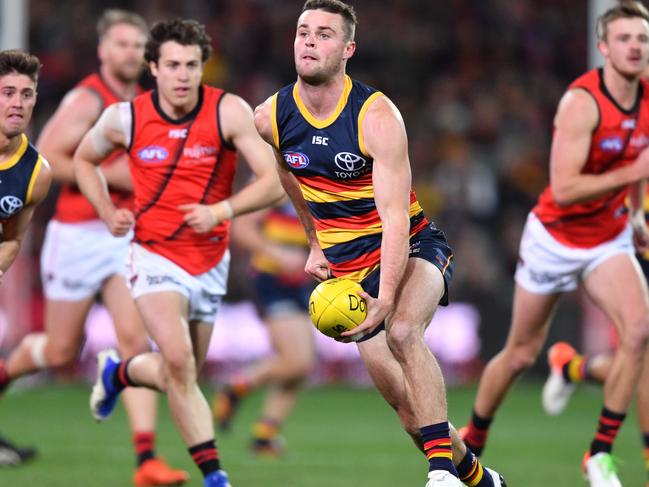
(120, 222)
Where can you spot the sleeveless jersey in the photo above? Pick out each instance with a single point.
(617, 140)
(17, 178)
(176, 162)
(282, 226)
(72, 206)
(334, 170)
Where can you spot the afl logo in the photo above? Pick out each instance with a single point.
(296, 160)
(10, 205)
(153, 153)
(611, 144)
(348, 161)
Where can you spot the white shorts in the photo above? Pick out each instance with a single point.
(546, 266)
(77, 258)
(153, 273)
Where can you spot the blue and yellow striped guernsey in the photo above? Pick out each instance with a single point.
(334, 170)
(17, 178)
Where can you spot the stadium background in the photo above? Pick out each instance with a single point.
(477, 82)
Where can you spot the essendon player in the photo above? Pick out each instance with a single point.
(80, 258)
(183, 139)
(579, 231)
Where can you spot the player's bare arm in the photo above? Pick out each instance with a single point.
(386, 141)
(14, 229)
(316, 264)
(570, 148)
(104, 137)
(239, 130)
(62, 134)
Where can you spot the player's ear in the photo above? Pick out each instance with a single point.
(350, 49)
(153, 68)
(602, 47)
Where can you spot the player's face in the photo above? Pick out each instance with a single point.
(320, 47)
(178, 74)
(122, 51)
(17, 100)
(627, 46)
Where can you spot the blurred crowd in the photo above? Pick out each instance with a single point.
(477, 82)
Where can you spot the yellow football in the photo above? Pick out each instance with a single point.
(335, 306)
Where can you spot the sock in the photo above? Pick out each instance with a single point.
(121, 378)
(437, 447)
(472, 473)
(609, 425)
(645, 440)
(477, 432)
(144, 443)
(265, 429)
(206, 457)
(239, 387)
(4, 377)
(576, 369)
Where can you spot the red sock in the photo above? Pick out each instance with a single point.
(144, 444)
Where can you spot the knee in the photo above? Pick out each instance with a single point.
(635, 336)
(180, 366)
(295, 371)
(521, 358)
(46, 353)
(401, 338)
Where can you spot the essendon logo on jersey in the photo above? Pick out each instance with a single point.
(153, 153)
(611, 144)
(296, 160)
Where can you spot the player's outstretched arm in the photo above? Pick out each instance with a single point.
(14, 229)
(570, 148)
(63, 132)
(386, 141)
(104, 137)
(316, 264)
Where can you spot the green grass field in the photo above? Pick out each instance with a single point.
(337, 437)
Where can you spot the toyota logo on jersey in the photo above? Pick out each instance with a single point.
(348, 161)
(10, 205)
(296, 160)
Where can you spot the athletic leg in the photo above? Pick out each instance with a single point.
(58, 345)
(140, 403)
(531, 316)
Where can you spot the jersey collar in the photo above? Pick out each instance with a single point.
(317, 123)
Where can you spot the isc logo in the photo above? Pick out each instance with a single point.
(320, 140)
(178, 134)
(153, 153)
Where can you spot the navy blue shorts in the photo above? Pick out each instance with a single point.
(644, 265)
(275, 296)
(429, 244)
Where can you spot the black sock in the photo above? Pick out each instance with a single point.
(206, 456)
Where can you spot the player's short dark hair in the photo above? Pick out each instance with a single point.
(336, 7)
(626, 9)
(115, 16)
(185, 32)
(21, 62)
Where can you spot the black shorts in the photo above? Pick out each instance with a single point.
(275, 296)
(429, 244)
